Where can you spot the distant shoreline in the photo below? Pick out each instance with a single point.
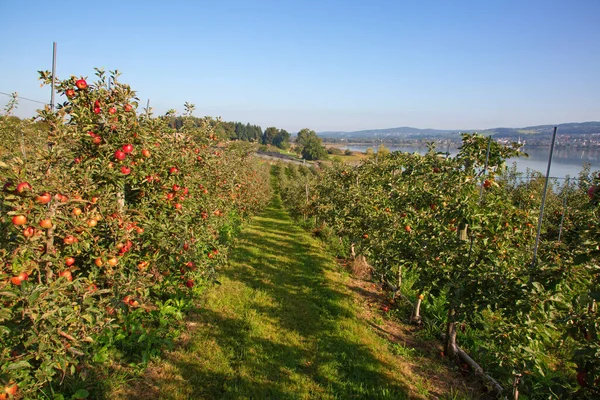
(452, 145)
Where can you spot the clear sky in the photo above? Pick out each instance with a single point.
(326, 64)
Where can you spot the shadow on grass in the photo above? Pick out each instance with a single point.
(276, 328)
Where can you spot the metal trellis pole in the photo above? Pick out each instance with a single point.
(539, 227)
(562, 217)
(53, 75)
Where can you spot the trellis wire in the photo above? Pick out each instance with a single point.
(24, 98)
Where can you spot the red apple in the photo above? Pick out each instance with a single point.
(97, 110)
(125, 170)
(173, 170)
(69, 261)
(23, 187)
(70, 93)
(189, 283)
(120, 155)
(146, 153)
(19, 220)
(127, 148)
(128, 107)
(66, 274)
(11, 388)
(44, 198)
(112, 110)
(70, 239)
(81, 84)
(17, 280)
(46, 223)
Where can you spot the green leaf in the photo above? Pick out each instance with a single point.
(34, 296)
(81, 394)
(18, 365)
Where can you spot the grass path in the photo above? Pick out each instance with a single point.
(282, 325)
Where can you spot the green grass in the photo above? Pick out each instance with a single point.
(281, 325)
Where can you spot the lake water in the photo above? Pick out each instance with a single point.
(565, 161)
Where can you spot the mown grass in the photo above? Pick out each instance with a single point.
(280, 325)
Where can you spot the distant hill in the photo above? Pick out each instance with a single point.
(571, 128)
(405, 132)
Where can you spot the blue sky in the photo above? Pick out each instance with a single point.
(325, 65)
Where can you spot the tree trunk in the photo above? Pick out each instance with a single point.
(399, 280)
(516, 387)
(121, 200)
(462, 233)
(49, 242)
(416, 317)
(306, 208)
(450, 347)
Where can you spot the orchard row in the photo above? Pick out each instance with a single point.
(108, 228)
(459, 237)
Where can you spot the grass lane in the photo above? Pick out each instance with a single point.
(281, 325)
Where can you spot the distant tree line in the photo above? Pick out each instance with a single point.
(307, 144)
(239, 131)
